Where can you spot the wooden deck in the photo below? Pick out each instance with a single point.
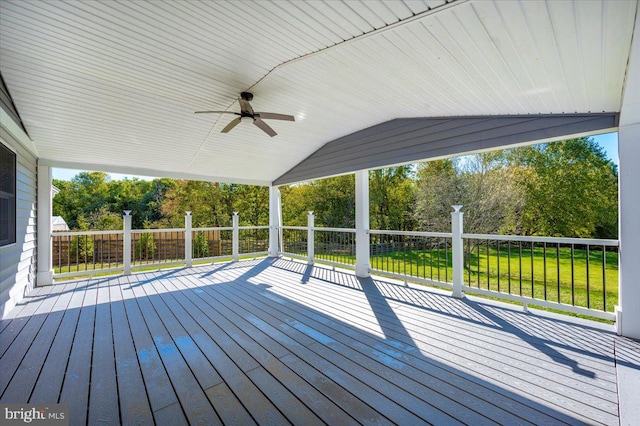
(277, 342)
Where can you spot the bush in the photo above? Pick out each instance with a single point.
(200, 245)
(145, 247)
(81, 249)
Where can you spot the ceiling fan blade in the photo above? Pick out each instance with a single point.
(274, 116)
(233, 123)
(216, 112)
(265, 127)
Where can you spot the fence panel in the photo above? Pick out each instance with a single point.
(568, 271)
(424, 256)
(86, 251)
(294, 240)
(157, 246)
(335, 245)
(254, 240)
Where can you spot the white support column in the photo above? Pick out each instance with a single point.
(363, 268)
(126, 252)
(188, 243)
(310, 238)
(45, 213)
(235, 243)
(457, 247)
(275, 215)
(628, 309)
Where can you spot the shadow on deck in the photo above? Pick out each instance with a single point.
(278, 342)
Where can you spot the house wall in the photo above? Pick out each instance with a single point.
(18, 261)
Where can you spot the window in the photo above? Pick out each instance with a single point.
(7, 196)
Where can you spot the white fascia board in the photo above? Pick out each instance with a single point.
(140, 171)
(16, 131)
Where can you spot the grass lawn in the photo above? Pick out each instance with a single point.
(545, 275)
(507, 271)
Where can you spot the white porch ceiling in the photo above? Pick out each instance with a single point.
(113, 85)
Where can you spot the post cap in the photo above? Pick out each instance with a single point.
(311, 212)
(457, 208)
(188, 213)
(235, 213)
(127, 212)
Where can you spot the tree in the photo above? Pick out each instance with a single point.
(333, 201)
(438, 188)
(104, 220)
(252, 203)
(82, 248)
(575, 190)
(391, 198)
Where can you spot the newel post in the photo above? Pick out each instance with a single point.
(363, 267)
(310, 238)
(235, 243)
(126, 252)
(457, 247)
(275, 221)
(188, 239)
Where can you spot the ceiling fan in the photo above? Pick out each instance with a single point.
(247, 114)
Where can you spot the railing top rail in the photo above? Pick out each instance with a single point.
(254, 227)
(218, 228)
(351, 230)
(411, 233)
(295, 227)
(143, 231)
(76, 233)
(553, 240)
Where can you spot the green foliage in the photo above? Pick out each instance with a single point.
(200, 245)
(391, 198)
(574, 192)
(105, 220)
(82, 248)
(144, 247)
(93, 196)
(332, 201)
(567, 189)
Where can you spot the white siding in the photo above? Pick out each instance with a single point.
(18, 261)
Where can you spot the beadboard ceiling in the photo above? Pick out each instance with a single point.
(113, 85)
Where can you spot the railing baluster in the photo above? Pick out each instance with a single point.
(520, 264)
(478, 256)
(604, 278)
(558, 269)
(488, 267)
(588, 290)
(532, 275)
(498, 258)
(544, 256)
(509, 266)
(446, 261)
(573, 296)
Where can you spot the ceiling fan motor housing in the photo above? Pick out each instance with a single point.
(247, 96)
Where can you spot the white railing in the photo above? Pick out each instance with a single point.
(421, 256)
(75, 253)
(82, 253)
(576, 275)
(569, 274)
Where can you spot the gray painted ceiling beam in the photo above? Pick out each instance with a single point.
(407, 140)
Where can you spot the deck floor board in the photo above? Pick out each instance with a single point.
(278, 342)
